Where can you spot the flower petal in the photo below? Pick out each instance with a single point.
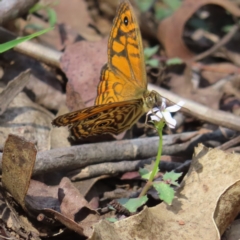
(163, 106)
(155, 118)
(153, 110)
(170, 121)
(159, 114)
(175, 107)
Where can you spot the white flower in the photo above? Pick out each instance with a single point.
(165, 113)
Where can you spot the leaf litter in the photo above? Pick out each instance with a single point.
(38, 162)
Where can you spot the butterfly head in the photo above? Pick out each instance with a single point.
(151, 99)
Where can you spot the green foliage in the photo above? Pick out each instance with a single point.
(148, 53)
(112, 220)
(172, 177)
(152, 62)
(165, 192)
(173, 4)
(227, 28)
(168, 8)
(133, 204)
(147, 170)
(144, 5)
(144, 173)
(174, 61)
(161, 13)
(8, 45)
(52, 16)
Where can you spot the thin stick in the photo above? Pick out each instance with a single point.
(219, 44)
(217, 117)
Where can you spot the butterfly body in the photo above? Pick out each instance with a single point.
(122, 95)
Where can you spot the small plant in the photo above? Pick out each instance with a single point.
(148, 53)
(159, 117)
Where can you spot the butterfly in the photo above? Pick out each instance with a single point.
(122, 95)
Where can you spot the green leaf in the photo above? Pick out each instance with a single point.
(145, 174)
(144, 5)
(161, 13)
(111, 220)
(35, 8)
(171, 177)
(173, 4)
(149, 52)
(133, 204)
(52, 16)
(152, 63)
(8, 45)
(34, 27)
(173, 61)
(165, 192)
(227, 28)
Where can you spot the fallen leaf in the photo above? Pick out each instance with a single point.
(66, 13)
(12, 89)
(82, 63)
(211, 172)
(170, 30)
(18, 161)
(228, 207)
(26, 119)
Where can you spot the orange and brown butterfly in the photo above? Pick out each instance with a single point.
(122, 95)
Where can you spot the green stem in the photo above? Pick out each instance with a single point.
(159, 127)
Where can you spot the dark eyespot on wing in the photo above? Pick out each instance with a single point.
(125, 21)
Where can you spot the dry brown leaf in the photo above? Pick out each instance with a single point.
(75, 207)
(71, 200)
(67, 14)
(17, 164)
(27, 119)
(82, 63)
(84, 186)
(181, 85)
(233, 232)
(43, 86)
(228, 207)
(216, 71)
(170, 30)
(65, 221)
(12, 89)
(59, 136)
(40, 196)
(190, 215)
(13, 224)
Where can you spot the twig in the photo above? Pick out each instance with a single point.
(118, 167)
(66, 159)
(11, 9)
(229, 144)
(217, 117)
(34, 50)
(219, 44)
(40, 53)
(183, 168)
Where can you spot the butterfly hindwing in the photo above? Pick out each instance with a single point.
(101, 119)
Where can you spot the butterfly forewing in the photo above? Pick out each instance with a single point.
(124, 76)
